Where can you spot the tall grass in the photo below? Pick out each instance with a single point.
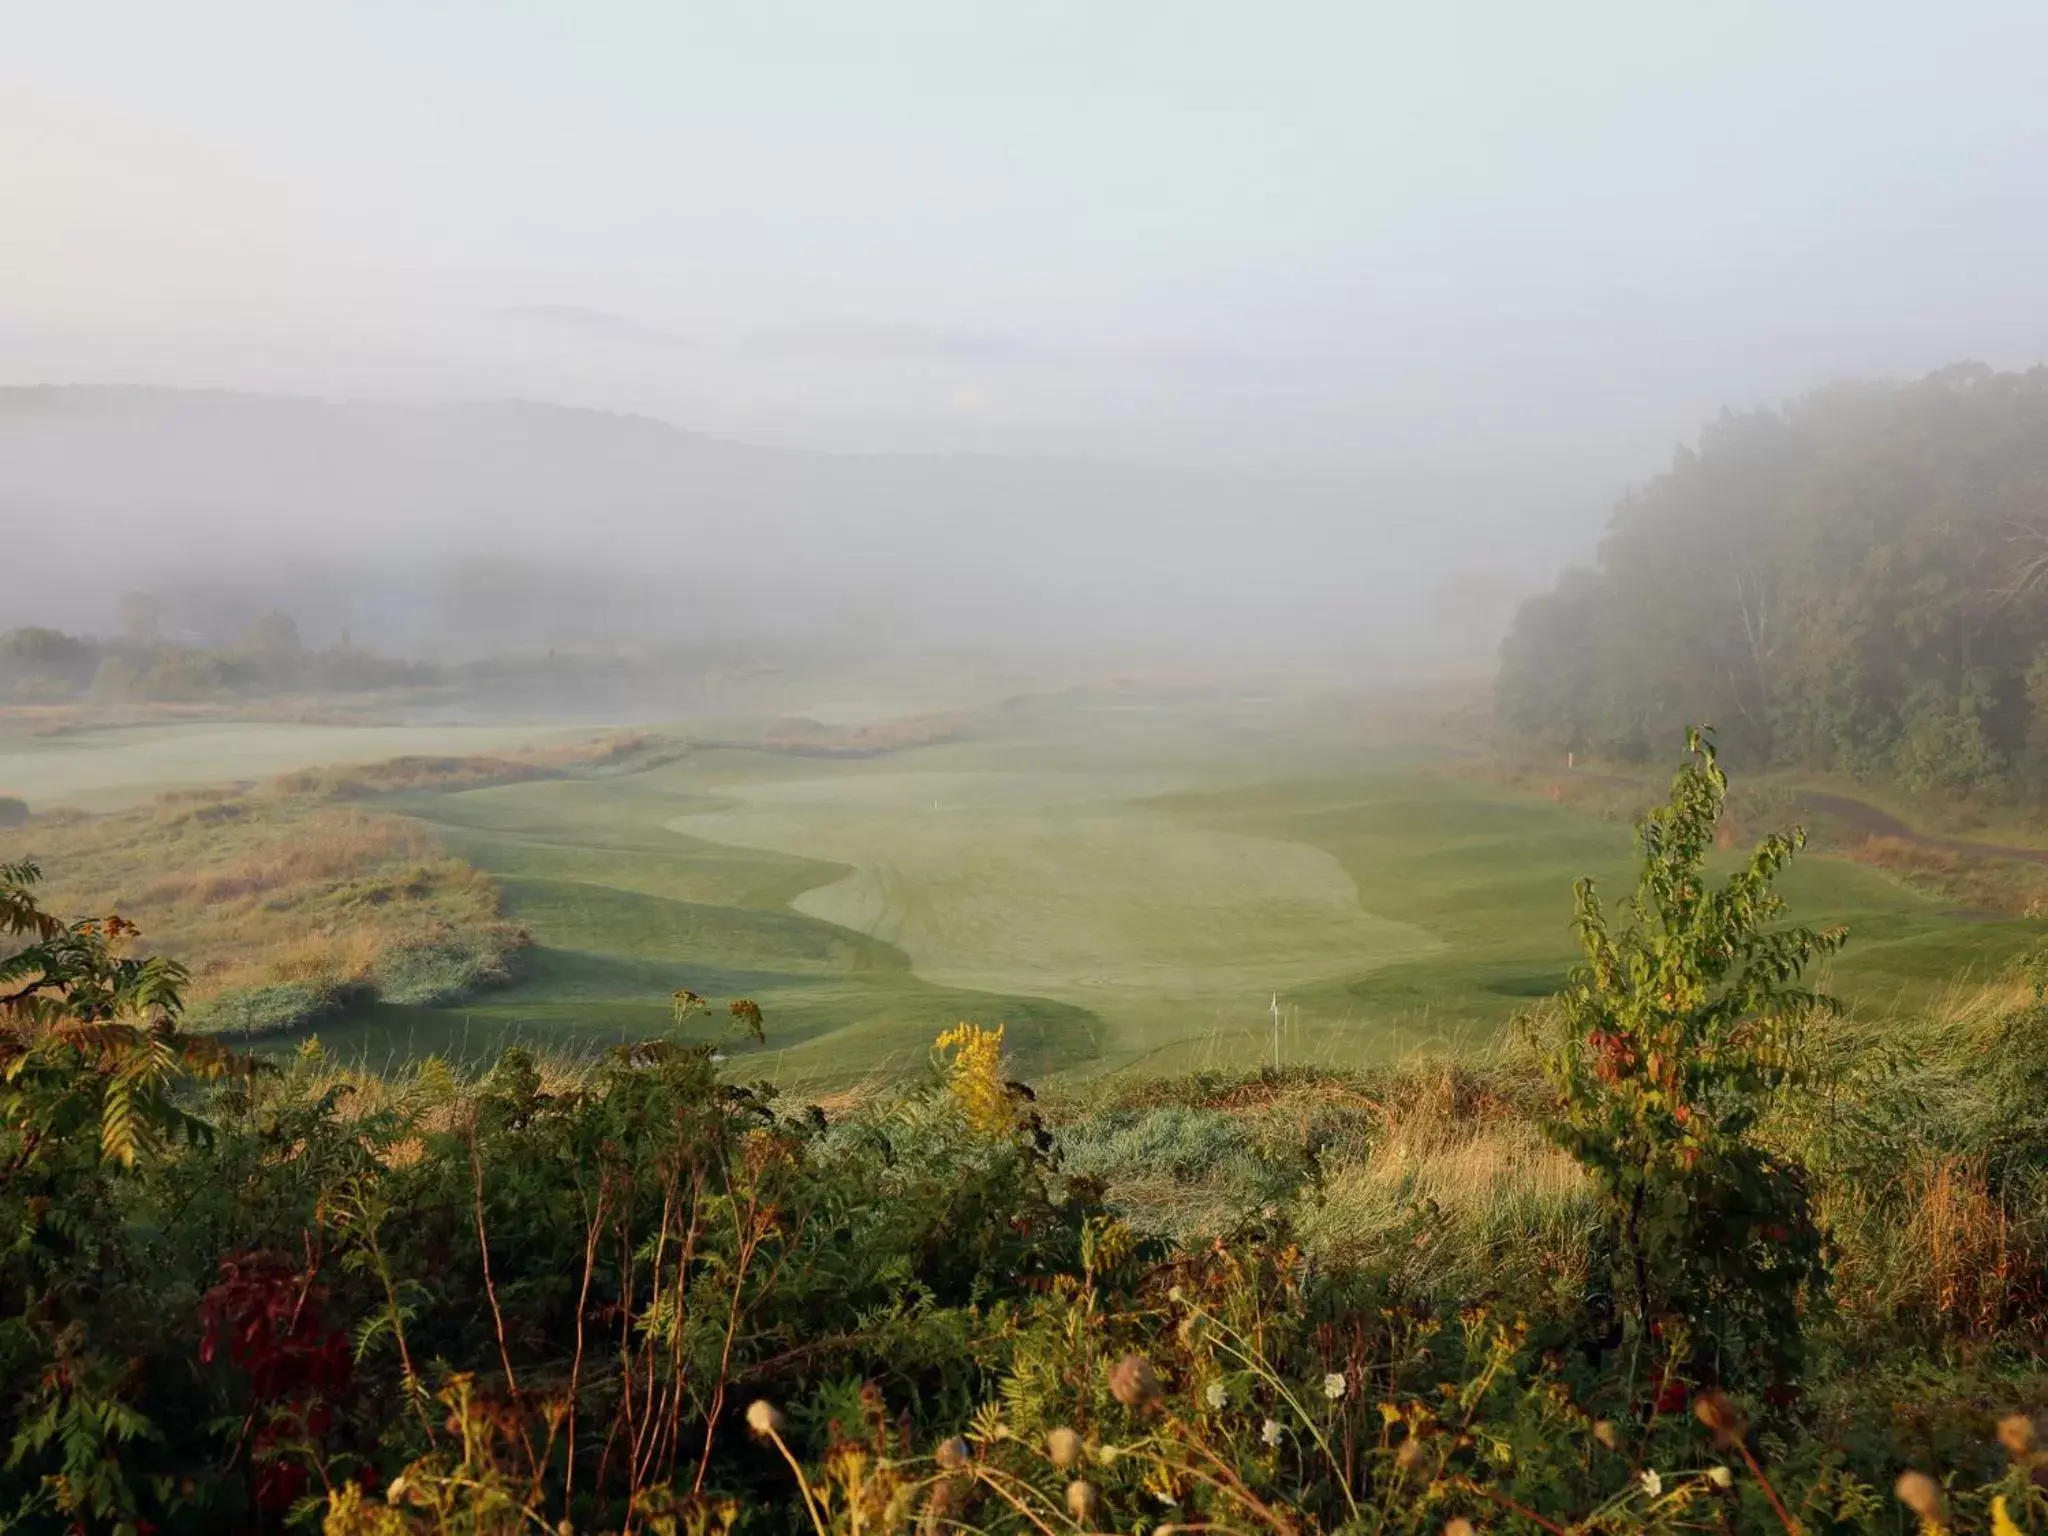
(282, 905)
(1434, 1172)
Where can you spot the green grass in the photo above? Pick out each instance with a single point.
(1490, 871)
(626, 911)
(1122, 881)
(1120, 890)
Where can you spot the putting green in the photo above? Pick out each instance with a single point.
(1043, 883)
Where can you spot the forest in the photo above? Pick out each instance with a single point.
(1855, 584)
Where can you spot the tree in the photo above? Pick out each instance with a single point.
(273, 637)
(1680, 1032)
(1853, 583)
(142, 617)
(39, 662)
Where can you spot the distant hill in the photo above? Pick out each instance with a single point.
(211, 490)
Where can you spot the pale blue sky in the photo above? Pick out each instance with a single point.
(1452, 249)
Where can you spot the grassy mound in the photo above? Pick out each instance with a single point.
(285, 907)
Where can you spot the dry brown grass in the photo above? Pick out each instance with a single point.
(360, 781)
(1437, 1171)
(254, 889)
(1952, 1254)
(382, 708)
(812, 738)
(1968, 879)
(1462, 1181)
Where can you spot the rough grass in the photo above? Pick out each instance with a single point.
(1433, 1171)
(1437, 1173)
(2006, 886)
(282, 906)
(447, 774)
(862, 738)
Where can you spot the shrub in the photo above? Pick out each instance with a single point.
(1680, 1033)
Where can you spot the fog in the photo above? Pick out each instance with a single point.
(1204, 328)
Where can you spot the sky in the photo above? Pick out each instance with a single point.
(1452, 255)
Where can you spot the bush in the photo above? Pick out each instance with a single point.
(253, 1011)
(1680, 1032)
(13, 811)
(450, 968)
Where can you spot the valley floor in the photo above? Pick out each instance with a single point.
(1129, 889)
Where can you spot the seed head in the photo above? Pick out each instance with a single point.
(1603, 1431)
(1410, 1455)
(764, 1418)
(1718, 1412)
(951, 1454)
(1459, 1526)
(1063, 1447)
(1133, 1382)
(1081, 1501)
(1720, 1477)
(2016, 1434)
(1921, 1494)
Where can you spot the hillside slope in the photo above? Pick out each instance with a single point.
(624, 523)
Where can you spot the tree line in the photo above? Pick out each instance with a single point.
(142, 665)
(1854, 583)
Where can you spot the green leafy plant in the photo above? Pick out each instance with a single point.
(91, 1059)
(1681, 1030)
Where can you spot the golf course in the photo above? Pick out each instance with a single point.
(1175, 884)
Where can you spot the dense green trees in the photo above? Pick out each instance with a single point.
(1857, 583)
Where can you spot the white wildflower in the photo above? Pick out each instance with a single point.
(1270, 1431)
(1216, 1394)
(1653, 1485)
(1720, 1477)
(1333, 1385)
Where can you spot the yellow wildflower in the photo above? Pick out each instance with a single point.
(974, 1076)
